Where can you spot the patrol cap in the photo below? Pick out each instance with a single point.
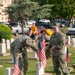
(56, 24)
(29, 41)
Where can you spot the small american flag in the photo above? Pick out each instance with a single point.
(41, 52)
(16, 70)
(43, 42)
(67, 56)
(42, 57)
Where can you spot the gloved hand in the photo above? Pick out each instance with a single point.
(48, 54)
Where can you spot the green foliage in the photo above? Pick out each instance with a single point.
(64, 8)
(33, 9)
(22, 8)
(43, 11)
(5, 32)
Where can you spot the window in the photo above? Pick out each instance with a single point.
(5, 18)
(2, 18)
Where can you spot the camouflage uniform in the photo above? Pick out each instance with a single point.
(19, 52)
(58, 54)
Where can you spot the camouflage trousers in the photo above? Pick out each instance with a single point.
(23, 63)
(60, 66)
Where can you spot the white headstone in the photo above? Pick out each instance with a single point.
(8, 44)
(35, 55)
(2, 48)
(73, 42)
(9, 71)
(3, 41)
(65, 49)
(69, 40)
(11, 40)
(39, 69)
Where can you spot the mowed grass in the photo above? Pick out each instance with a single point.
(6, 62)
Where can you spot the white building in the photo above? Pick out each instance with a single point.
(4, 17)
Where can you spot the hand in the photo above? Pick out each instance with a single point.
(52, 48)
(48, 58)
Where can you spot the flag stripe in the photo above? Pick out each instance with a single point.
(67, 56)
(41, 52)
(42, 57)
(16, 70)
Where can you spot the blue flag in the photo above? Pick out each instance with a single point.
(40, 45)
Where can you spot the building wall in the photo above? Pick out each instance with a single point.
(4, 17)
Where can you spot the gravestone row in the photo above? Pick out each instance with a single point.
(4, 46)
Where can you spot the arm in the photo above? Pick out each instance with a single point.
(34, 48)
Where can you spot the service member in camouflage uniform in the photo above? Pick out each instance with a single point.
(19, 52)
(56, 50)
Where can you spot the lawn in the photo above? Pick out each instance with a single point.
(6, 62)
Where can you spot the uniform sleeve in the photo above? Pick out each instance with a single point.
(48, 51)
(50, 43)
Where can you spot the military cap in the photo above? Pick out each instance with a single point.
(29, 41)
(56, 24)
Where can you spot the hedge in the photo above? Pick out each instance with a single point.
(5, 32)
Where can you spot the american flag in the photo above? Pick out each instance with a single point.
(67, 52)
(16, 70)
(41, 52)
(43, 42)
(67, 56)
(42, 57)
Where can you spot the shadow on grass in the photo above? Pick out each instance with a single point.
(72, 73)
(31, 73)
(49, 71)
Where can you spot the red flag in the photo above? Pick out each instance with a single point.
(16, 70)
(42, 57)
(67, 56)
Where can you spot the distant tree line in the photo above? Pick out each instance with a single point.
(37, 9)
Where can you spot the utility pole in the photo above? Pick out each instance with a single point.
(22, 22)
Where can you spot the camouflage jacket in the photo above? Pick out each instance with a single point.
(57, 40)
(17, 44)
(20, 45)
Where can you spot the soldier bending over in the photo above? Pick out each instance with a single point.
(19, 52)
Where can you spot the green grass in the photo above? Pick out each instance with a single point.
(32, 63)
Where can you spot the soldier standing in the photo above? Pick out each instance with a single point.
(56, 50)
(19, 52)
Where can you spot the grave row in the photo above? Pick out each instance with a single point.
(4, 46)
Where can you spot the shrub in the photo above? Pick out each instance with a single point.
(5, 32)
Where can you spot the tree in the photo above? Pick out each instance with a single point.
(21, 8)
(43, 12)
(62, 8)
(36, 9)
